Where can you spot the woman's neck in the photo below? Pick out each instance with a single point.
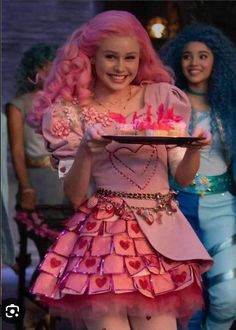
(198, 89)
(106, 95)
(131, 98)
(196, 92)
(198, 102)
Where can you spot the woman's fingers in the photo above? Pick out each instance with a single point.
(94, 140)
(204, 134)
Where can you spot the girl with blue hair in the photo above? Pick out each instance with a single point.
(204, 62)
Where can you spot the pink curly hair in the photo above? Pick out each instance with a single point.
(72, 75)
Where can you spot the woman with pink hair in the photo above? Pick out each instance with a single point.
(127, 258)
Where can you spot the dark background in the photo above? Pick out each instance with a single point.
(26, 22)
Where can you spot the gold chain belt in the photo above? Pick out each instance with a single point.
(156, 196)
(164, 202)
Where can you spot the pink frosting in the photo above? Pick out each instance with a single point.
(166, 119)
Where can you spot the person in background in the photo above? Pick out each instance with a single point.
(204, 62)
(8, 249)
(128, 258)
(41, 205)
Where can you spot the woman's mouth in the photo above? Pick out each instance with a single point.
(194, 72)
(117, 77)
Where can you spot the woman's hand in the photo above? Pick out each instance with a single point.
(93, 140)
(28, 199)
(190, 163)
(206, 138)
(76, 181)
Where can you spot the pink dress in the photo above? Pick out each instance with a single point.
(121, 252)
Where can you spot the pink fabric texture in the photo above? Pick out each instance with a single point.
(109, 248)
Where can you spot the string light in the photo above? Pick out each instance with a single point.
(158, 28)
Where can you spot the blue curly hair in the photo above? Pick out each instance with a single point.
(222, 83)
(33, 60)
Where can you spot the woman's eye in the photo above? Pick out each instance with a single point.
(110, 56)
(130, 58)
(186, 57)
(203, 57)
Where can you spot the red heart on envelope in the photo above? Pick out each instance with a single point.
(90, 262)
(124, 244)
(101, 281)
(55, 262)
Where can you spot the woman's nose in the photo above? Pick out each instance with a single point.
(194, 60)
(119, 66)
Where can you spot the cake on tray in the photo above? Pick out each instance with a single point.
(166, 123)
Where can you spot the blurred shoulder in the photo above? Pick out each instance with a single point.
(165, 89)
(171, 97)
(23, 103)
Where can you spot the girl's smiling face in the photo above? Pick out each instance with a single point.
(197, 64)
(117, 63)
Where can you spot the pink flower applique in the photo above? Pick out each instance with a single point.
(61, 128)
(167, 115)
(91, 116)
(34, 222)
(118, 117)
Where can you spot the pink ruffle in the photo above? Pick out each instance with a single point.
(180, 304)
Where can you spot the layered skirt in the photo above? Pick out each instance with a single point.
(102, 263)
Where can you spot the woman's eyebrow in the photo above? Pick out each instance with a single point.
(114, 52)
(199, 52)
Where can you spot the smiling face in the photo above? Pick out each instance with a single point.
(116, 63)
(197, 64)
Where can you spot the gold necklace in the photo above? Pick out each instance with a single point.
(108, 104)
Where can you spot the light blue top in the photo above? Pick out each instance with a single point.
(213, 160)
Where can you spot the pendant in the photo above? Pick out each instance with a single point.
(146, 215)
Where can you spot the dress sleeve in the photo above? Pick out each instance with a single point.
(173, 97)
(177, 99)
(62, 131)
